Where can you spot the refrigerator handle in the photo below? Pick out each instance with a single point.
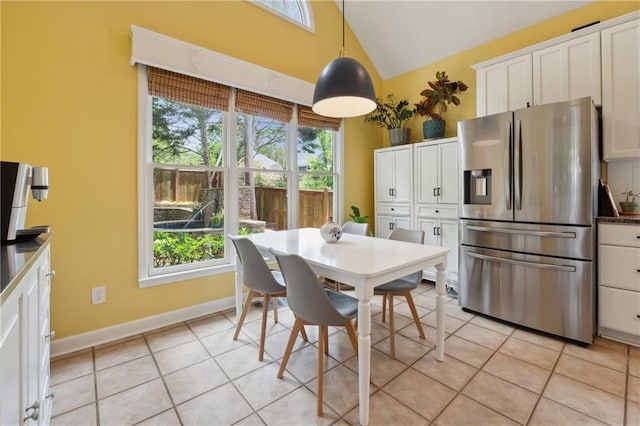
(517, 166)
(509, 166)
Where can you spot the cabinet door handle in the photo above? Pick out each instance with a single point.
(439, 229)
(435, 190)
(50, 274)
(434, 231)
(51, 335)
(439, 191)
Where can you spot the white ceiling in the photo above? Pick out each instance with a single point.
(402, 35)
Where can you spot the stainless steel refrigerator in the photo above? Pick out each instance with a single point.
(527, 229)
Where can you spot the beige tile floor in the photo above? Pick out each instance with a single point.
(194, 373)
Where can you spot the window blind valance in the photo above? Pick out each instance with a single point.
(308, 118)
(186, 89)
(264, 106)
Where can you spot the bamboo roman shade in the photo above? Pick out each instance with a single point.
(190, 90)
(263, 106)
(308, 118)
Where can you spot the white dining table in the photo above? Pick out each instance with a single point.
(364, 263)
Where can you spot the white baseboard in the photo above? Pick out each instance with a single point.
(81, 341)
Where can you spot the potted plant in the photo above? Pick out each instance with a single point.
(630, 204)
(217, 220)
(355, 215)
(392, 114)
(436, 97)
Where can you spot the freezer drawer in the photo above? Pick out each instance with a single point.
(574, 242)
(549, 294)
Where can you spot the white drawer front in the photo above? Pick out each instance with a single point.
(619, 235)
(393, 209)
(446, 212)
(620, 310)
(619, 267)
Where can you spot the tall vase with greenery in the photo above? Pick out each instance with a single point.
(392, 114)
(440, 93)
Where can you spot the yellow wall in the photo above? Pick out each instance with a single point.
(70, 103)
(458, 67)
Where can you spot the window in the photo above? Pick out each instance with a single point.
(216, 160)
(297, 11)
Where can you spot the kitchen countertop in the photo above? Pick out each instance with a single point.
(622, 219)
(15, 261)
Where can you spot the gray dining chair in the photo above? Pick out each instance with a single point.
(401, 287)
(262, 282)
(355, 228)
(312, 304)
(350, 227)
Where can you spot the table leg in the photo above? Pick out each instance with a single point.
(364, 353)
(441, 280)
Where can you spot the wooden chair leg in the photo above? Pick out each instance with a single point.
(275, 310)
(245, 310)
(297, 325)
(322, 330)
(351, 331)
(414, 312)
(392, 330)
(263, 328)
(303, 333)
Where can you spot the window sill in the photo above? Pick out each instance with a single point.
(184, 275)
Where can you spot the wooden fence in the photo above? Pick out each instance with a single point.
(186, 186)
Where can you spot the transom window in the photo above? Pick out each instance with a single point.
(297, 11)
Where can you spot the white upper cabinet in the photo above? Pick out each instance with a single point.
(568, 70)
(505, 86)
(621, 91)
(393, 174)
(437, 173)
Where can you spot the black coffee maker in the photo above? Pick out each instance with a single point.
(16, 180)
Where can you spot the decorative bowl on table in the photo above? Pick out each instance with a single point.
(330, 231)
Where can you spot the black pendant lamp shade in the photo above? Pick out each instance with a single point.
(344, 88)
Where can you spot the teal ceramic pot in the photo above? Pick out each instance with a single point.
(433, 129)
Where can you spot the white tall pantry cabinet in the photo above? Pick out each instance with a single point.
(416, 187)
(436, 198)
(393, 181)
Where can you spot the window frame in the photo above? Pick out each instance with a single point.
(149, 276)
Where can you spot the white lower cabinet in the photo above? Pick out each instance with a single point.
(619, 282)
(443, 233)
(386, 223)
(25, 397)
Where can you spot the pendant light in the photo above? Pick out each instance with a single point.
(344, 88)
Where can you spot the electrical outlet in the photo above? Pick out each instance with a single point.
(98, 295)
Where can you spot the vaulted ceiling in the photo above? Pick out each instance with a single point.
(402, 35)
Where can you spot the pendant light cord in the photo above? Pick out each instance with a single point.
(343, 51)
